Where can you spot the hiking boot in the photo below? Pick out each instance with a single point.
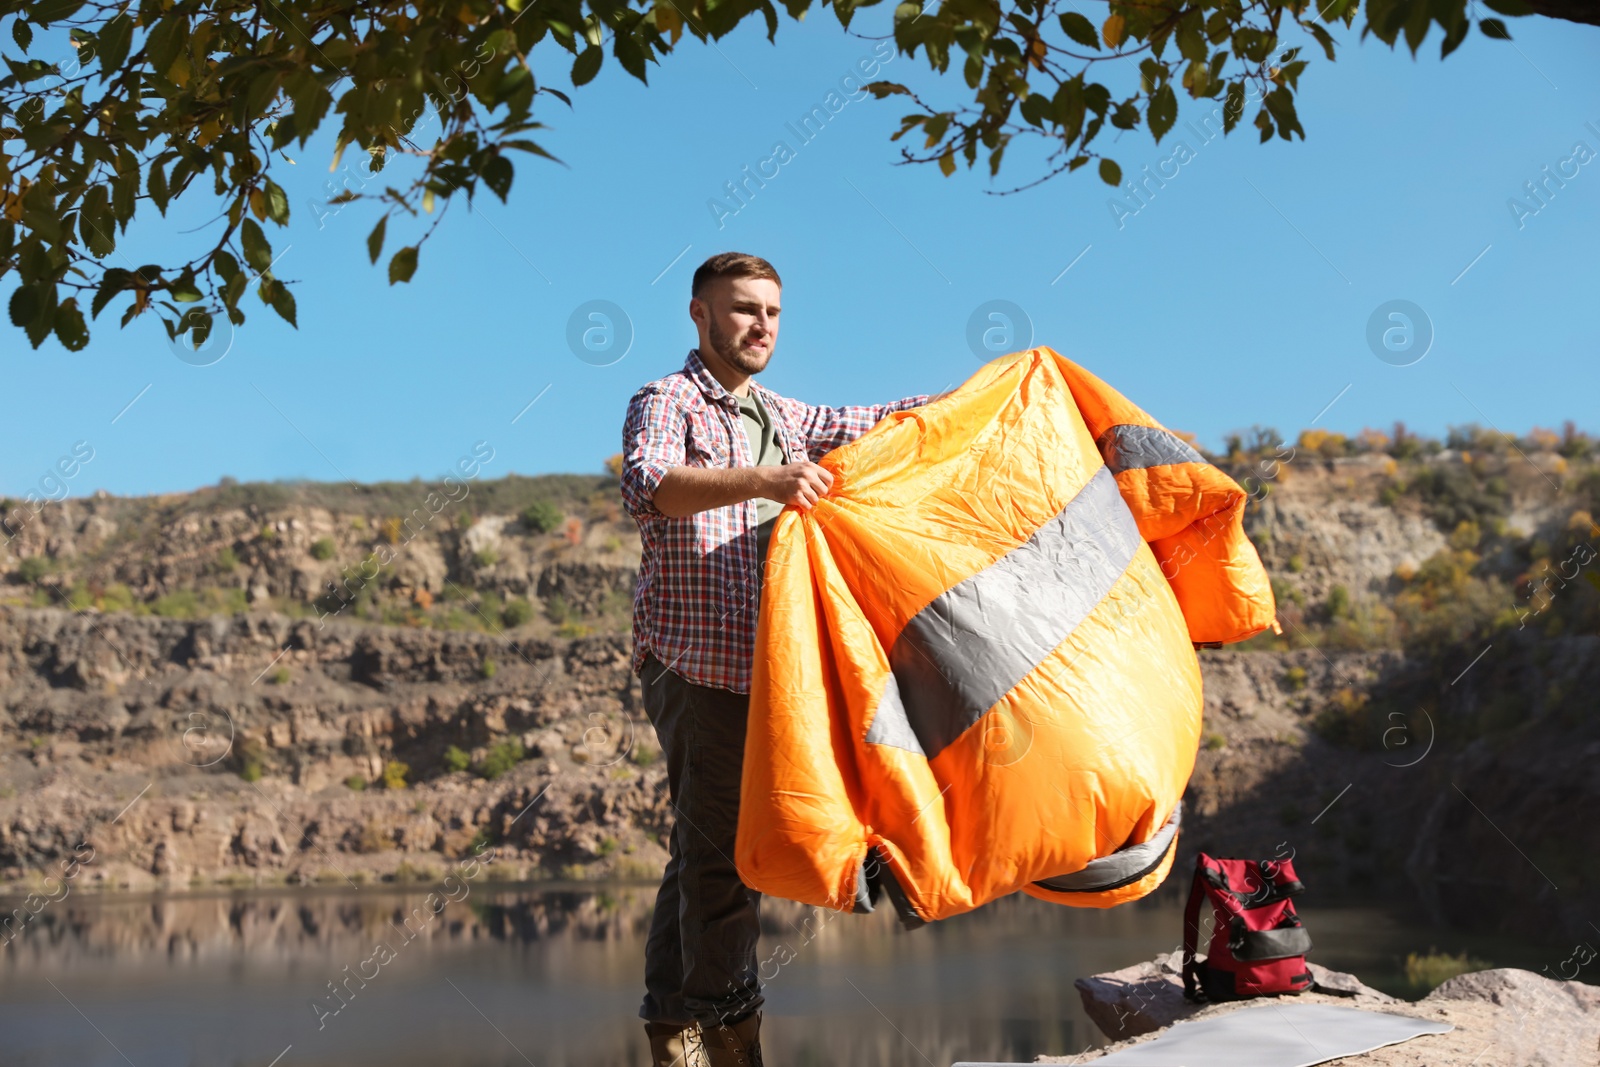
(734, 1044)
(675, 1046)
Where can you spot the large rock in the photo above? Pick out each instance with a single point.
(1502, 1018)
(1148, 996)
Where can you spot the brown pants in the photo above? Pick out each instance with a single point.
(700, 956)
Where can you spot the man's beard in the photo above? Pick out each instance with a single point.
(728, 348)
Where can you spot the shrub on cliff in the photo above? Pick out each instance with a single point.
(501, 758)
(541, 516)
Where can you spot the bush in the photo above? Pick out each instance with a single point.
(501, 758)
(488, 557)
(227, 560)
(644, 755)
(1215, 741)
(1345, 720)
(456, 759)
(394, 774)
(33, 568)
(1338, 602)
(1435, 968)
(323, 548)
(279, 676)
(541, 516)
(1295, 679)
(516, 613)
(356, 782)
(487, 668)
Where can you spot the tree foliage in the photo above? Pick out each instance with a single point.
(130, 106)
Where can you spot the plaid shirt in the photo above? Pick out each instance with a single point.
(696, 605)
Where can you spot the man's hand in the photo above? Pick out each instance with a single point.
(801, 484)
(687, 490)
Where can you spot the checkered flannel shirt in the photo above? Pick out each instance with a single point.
(697, 601)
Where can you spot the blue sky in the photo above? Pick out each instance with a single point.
(1240, 293)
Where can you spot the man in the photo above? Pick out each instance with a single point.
(710, 457)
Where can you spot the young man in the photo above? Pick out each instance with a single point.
(710, 457)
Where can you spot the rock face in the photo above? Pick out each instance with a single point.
(166, 750)
(222, 725)
(1502, 1017)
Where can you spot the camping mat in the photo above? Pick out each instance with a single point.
(1268, 1035)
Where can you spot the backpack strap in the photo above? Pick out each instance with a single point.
(1191, 932)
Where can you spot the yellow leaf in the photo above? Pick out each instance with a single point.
(1113, 30)
(947, 163)
(258, 204)
(179, 72)
(1036, 53)
(669, 21)
(427, 201)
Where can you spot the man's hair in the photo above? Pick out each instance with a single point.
(731, 265)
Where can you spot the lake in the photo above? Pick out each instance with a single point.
(550, 975)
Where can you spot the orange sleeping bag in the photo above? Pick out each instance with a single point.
(974, 667)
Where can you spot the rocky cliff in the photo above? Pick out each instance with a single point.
(260, 684)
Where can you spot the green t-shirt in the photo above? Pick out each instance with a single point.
(765, 451)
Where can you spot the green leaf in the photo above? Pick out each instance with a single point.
(24, 305)
(277, 295)
(1163, 111)
(1281, 103)
(1494, 28)
(1080, 30)
(629, 54)
(22, 33)
(277, 202)
(165, 40)
(403, 265)
(882, 89)
(1324, 38)
(157, 187)
(112, 44)
(1069, 109)
(71, 330)
(375, 239)
(184, 289)
(1110, 173)
(497, 173)
(523, 145)
(1514, 8)
(112, 282)
(1035, 109)
(587, 65)
(1233, 106)
(257, 252)
(196, 323)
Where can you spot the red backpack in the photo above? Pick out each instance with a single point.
(1257, 943)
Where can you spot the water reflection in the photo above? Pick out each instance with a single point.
(517, 975)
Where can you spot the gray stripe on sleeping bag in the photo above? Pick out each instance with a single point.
(1123, 867)
(972, 644)
(1128, 447)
